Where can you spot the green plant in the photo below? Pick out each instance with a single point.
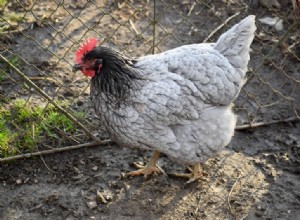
(4, 67)
(4, 137)
(2, 3)
(12, 16)
(9, 19)
(23, 127)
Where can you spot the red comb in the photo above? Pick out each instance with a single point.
(86, 46)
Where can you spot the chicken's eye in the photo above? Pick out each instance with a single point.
(88, 61)
(85, 59)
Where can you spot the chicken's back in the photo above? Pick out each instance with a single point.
(217, 70)
(215, 80)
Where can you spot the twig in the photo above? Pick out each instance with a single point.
(191, 9)
(47, 97)
(101, 198)
(46, 165)
(120, 5)
(261, 124)
(229, 194)
(221, 26)
(56, 150)
(9, 32)
(197, 208)
(5, 33)
(133, 27)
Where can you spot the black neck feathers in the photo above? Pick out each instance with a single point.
(117, 75)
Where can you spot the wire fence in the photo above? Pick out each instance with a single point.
(44, 106)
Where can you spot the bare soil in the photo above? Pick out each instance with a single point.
(258, 180)
(256, 177)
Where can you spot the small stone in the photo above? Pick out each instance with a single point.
(35, 181)
(91, 204)
(19, 181)
(95, 168)
(185, 198)
(77, 170)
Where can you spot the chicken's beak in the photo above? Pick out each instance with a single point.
(76, 67)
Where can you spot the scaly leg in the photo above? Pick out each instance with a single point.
(196, 174)
(147, 170)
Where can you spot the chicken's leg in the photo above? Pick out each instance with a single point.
(196, 174)
(147, 170)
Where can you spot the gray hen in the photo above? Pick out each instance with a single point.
(177, 102)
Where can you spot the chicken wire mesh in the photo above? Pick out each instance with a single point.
(39, 39)
(45, 106)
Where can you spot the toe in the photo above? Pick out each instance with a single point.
(145, 171)
(138, 166)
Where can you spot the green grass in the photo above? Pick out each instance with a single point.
(2, 3)
(23, 127)
(12, 16)
(4, 67)
(9, 20)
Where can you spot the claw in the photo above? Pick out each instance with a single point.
(196, 174)
(143, 170)
(147, 170)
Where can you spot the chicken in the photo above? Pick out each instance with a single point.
(177, 102)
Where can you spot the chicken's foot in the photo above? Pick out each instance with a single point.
(147, 170)
(196, 174)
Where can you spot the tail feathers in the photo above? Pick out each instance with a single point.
(235, 43)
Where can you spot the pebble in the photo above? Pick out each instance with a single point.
(91, 204)
(95, 168)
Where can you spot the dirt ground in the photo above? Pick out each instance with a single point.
(258, 180)
(256, 177)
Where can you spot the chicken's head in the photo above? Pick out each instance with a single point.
(113, 73)
(87, 64)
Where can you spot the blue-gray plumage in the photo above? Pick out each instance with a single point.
(177, 102)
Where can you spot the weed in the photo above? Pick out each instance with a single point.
(5, 135)
(9, 20)
(2, 3)
(23, 127)
(12, 16)
(4, 67)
